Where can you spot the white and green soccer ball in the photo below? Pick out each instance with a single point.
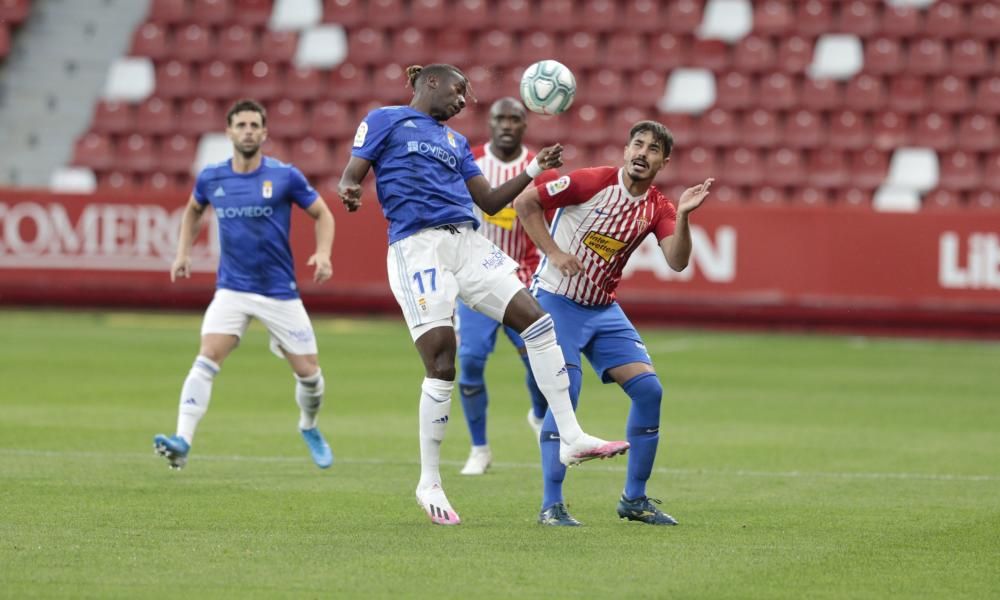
(548, 87)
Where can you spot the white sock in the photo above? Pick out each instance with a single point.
(549, 368)
(195, 395)
(309, 396)
(435, 404)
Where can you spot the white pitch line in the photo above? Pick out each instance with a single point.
(514, 465)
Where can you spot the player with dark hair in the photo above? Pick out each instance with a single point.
(500, 159)
(252, 196)
(427, 181)
(601, 215)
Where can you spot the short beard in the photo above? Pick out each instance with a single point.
(248, 154)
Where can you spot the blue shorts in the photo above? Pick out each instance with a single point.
(477, 333)
(602, 333)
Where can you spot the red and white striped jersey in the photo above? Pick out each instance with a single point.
(597, 220)
(503, 229)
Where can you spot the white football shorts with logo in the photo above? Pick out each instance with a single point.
(430, 269)
(286, 320)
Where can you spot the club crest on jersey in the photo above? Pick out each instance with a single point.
(268, 190)
(605, 247)
(642, 223)
(359, 136)
(554, 187)
(451, 140)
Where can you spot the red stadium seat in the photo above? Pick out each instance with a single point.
(542, 130)
(727, 195)
(390, 85)
(890, 130)
(754, 54)
(769, 196)
(200, 115)
(773, 18)
(804, 129)
(626, 49)
(783, 167)
(950, 94)
(4, 41)
(253, 13)
(212, 12)
(987, 98)
(348, 13)
(386, 14)
(718, 128)
(451, 46)
(665, 51)
(116, 181)
(177, 154)
(586, 125)
(820, 94)
(581, 50)
(984, 200)
(883, 56)
(262, 81)
(777, 92)
(742, 166)
(682, 16)
(193, 43)
(848, 131)
(304, 83)
(901, 21)
(330, 120)
(150, 40)
(941, 199)
(810, 196)
(94, 150)
(969, 58)
(170, 12)
(869, 168)
(608, 155)
(646, 87)
(494, 48)
(945, 20)
(287, 119)
(237, 42)
(278, 46)
(760, 129)
(696, 164)
(927, 56)
(604, 87)
(486, 84)
(865, 93)
(683, 127)
(984, 22)
(157, 182)
(828, 169)
(156, 116)
(622, 120)
(311, 156)
(709, 54)
(859, 17)
(278, 148)
(795, 54)
(959, 171)
(600, 16)
(412, 44)
(514, 15)
(536, 46)
(978, 132)
(991, 171)
(908, 93)
(367, 46)
(218, 80)
(112, 117)
(558, 15)
(174, 79)
(933, 130)
(348, 82)
(853, 198)
(813, 18)
(735, 91)
(426, 14)
(136, 153)
(472, 15)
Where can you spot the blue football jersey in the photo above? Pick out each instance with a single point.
(421, 167)
(254, 211)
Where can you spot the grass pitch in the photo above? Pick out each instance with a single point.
(798, 466)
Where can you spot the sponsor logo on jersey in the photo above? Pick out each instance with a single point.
(268, 190)
(503, 219)
(495, 260)
(605, 247)
(431, 150)
(243, 212)
(359, 136)
(554, 187)
(219, 192)
(409, 123)
(451, 140)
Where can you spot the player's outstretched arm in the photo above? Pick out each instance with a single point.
(532, 217)
(491, 199)
(190, 226)
(677, 246)
(325, 224)
(349, 188)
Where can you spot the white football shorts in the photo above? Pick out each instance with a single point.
(430, 269)
(286, 320)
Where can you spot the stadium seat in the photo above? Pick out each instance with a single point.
(170, 12)
(753, 54)
(848, 130)
(890, 130)
(950, 94)
(813, 18)
(610, 155)
(901, 20)
(451, 46)
(682, 16)
(969, 58)
(984, 200)
(261, 81)
(367, 46)
(155, 116)
(852, 198)
(828, 169)
(933, 130)
(321, 47)
(869, 168)
(237, 42)
(412, 44)
(666, 51)
(859, 17)
(72, 180)
(991, 171)
(150, 40)
(777, 92)
(621, 121)
(177, 154)
(783, 167)
(773, 18)
(604, 87)
(304, 83)
(543, 130)
(987, 97)
(760, 129)
(557, 15)
(192, 43)
(252, 13)
(94, 150)
(494, 48)
(820, 94)
(600, 16)
(810, 196)
(984, 22)
(581, 50)
(116, 181)
(390, 85)
(535, 46)
(287, 118)
(713, 55)
(348, 13)
(804, 129)
(211, 12)
(486, 84)
(349, 83)
(278, 46)
(726, 20)
(795, 54)
(718, 128)
(514, 15)
(586, 125)
(684, 128)
(295, 15)
(157, 182)
(646, 87)
(426, 14)
(883, 56)
(4, 41)
(960, 171)
(722, 194)
(696, 164)
(742, 166)
(311, 156)
(941, 199)
(330, 119)
(926, 56)
(907, 93)
(218, 80)
(200, 115)
(174, 79)
(470, 15)
(130, 79)
(689, 90)
(388, 14)
(136, 153)
(837, 56)
(913, 168)
(977, 132)
(764, 196)
(945, 20)
(112, 117)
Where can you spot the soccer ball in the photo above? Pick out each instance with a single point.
(548, 87)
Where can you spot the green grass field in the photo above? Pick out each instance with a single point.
(798, 466)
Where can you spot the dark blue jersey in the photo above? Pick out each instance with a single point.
(421, 167)
(254, 211)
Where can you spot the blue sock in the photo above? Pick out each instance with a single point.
(539, 405)
(553, 471)
(472, 388)
(642, 431)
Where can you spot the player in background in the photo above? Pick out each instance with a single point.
(427, 181)
(252, 196)
(601, 216)
(500, 159)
